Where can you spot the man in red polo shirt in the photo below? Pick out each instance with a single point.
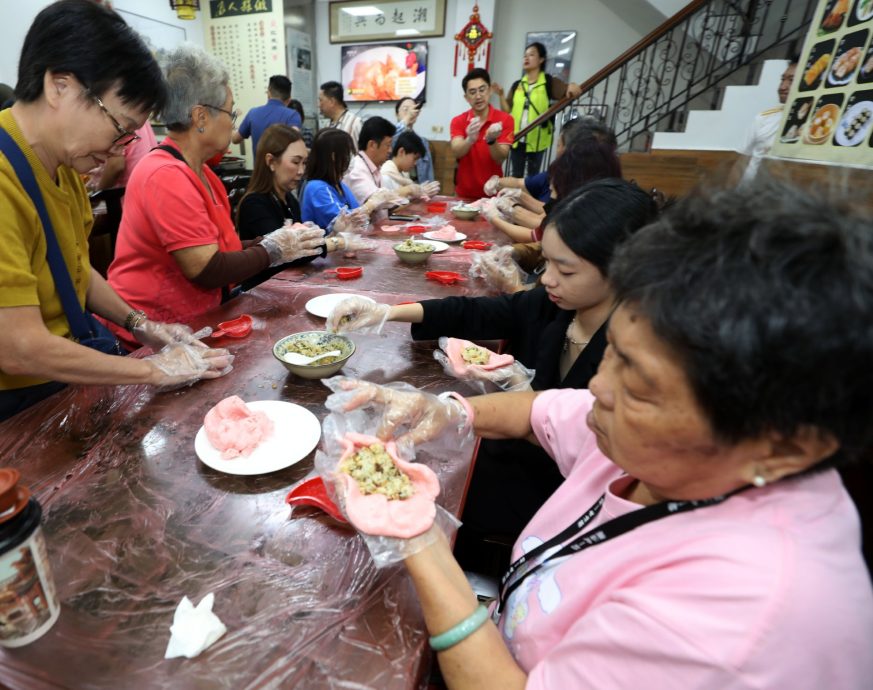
(481, 137)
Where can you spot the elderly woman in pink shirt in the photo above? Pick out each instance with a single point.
(702, 537)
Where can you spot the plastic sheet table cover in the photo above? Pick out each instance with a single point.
(134, 521)
(384, 272)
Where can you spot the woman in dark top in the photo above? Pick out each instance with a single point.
(558, 329)
(269, 203)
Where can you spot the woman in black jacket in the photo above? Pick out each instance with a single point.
(269, 202)
(558, 329)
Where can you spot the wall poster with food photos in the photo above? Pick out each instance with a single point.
(829, 112)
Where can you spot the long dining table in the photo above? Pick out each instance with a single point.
(134, 521)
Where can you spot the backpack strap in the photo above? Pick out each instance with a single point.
(79, 326)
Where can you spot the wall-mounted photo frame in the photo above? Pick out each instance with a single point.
(353, 22)
(559, 50)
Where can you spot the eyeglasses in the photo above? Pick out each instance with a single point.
(481, 91)
(125, 136)
(234, 114)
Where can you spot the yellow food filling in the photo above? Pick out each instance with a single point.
(375, 472)
(413, 246)
(473, 354)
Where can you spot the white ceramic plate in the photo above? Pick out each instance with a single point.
(842, 138)
(438, 246)
(323, 305)
(296, 432)
(459, 237)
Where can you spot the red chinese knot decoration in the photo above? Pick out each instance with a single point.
(475, 39)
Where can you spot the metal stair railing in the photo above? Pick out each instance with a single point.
(689, 54)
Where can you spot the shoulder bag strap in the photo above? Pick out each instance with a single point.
(60, 273)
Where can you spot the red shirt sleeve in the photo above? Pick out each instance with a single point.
(458, 127)
(507, 135)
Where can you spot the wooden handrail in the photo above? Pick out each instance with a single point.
(631, 52)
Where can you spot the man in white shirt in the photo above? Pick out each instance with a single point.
(332, 105)
(762, 135)
(364, 177)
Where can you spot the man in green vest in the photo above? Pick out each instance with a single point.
(528, 98)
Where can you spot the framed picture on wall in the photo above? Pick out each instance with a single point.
(389, 19)
(559, 50)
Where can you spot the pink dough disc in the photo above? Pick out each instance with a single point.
(377, 515)
(454, 348)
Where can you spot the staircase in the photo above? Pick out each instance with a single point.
(686, 60)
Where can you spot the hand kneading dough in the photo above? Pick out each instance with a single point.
(376, 514)
(233, 429)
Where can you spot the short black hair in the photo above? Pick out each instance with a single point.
(410, 142)
(401, 102)
(594, 219)
(540, 48)
(94, 44)
(296, 105)
(765, 295)
(334, 90)
(280, 87)
(375, 129)
(332, 151)
(475, 73)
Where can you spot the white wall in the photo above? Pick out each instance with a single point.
(444, 94)
(602, 36)
(16, 18)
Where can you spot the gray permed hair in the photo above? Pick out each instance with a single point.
(194, 77)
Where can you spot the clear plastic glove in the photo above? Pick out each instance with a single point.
(474, 126)
(493, 132)
(352, 242)
(510, 377)
(492, 186)
(510, 192)
(488, 208)
(401, 412)
(155, 334)
(392, 529)
(350, 221)
(431, 188)
(497, 268)
(505, 205)
(356, 314)
(384, 198)
(292, 242)
(180, 365)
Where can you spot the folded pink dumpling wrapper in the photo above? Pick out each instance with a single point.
(447, 232)
(379, 516)
(235, 430)
(454, 348)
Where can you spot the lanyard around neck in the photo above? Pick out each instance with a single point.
(610, 529)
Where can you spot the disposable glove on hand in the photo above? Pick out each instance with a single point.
(155, 334)
(493, 132)
(407, 415)
(293, 242)
(356, 314)
(181, 365)
(473, 129)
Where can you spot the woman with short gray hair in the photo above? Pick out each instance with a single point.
(177, 251)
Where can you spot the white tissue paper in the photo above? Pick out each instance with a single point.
(193, 629)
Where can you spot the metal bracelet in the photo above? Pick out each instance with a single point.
(134, 319)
